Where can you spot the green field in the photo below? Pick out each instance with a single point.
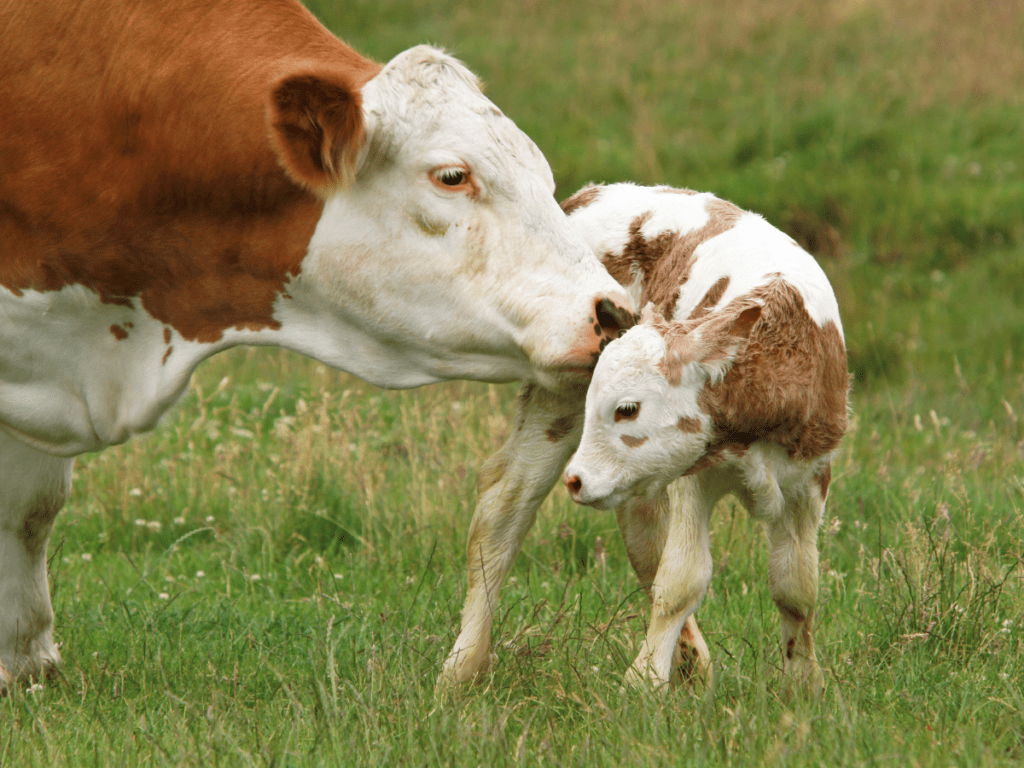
(274, 577)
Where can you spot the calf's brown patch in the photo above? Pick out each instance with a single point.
(580, 199)
(664, 261)
(789, 384)
(633, 442)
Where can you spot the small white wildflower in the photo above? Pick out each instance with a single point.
(200, 574)
(154, 525)
(410, 579)
(179, 521)
(35, 688)
(164, 596)
(209, 518)
(87, 557)
(255, 577)
(140, 522)
(135, 492)
(339, 575)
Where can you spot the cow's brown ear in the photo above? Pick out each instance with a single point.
(316, 126)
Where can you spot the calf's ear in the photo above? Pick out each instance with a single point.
(722, 338)
(317, 128)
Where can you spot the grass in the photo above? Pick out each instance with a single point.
(275, 575)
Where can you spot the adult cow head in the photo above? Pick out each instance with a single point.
(441, 253)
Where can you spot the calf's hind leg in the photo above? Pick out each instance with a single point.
(793, 582)
(33, 488)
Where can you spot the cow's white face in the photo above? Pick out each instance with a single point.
(640, 432)
(449, 252)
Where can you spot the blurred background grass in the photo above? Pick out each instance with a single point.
(274, 577)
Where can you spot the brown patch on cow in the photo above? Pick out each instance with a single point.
(560, 427)
(119, 333)
(490, 473)
(167, 335)
(582, 198)
(167, 354)
(664, 261)
(118, 300)
(824, 479)
(717, 453)
(711, 299)
(633, 442)
(790, 613)
(168, 190)
(689, 424)
(789, 384)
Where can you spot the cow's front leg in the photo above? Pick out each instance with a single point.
(644, 524)
(793, 581)
(33, 488)
(512, 484)
(680, 583)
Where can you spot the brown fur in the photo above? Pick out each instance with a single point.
(689, 424)
(560, 427)
(136, 159)
(664, 262)
(789, 385)
(825, 479)
(711, 299)
(582, 198)
(633, 442)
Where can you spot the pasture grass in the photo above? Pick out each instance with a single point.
(275, 575)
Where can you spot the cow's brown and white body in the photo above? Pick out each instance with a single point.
(180, 177)
(742, 390)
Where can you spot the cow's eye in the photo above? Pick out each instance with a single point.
(627, 411)
(451, 177)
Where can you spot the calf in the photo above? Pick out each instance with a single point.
(742, 390)
(736, 384)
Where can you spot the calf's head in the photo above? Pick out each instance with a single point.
(644, 425)
(441, 238)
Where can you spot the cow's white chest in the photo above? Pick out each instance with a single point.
(77, 374)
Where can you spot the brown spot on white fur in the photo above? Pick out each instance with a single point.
(633, 442)
(689, 424)
(560, 427)
(584, 197)
(824, 478)
(119, 333)
(789, 384)
(711, 298)
(664, 261)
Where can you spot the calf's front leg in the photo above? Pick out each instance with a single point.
(644, 524)
(512, 484)
(680, 583)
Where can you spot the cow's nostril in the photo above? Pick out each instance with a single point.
(573, 483)
(612, 318)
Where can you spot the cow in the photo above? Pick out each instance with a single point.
(737, 383)
(177, 178)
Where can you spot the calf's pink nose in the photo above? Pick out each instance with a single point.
(573, 483)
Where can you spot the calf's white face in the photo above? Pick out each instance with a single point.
(644, 426)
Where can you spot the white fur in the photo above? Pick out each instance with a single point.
(403, 284)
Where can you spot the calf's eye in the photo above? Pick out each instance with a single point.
(627, 411)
